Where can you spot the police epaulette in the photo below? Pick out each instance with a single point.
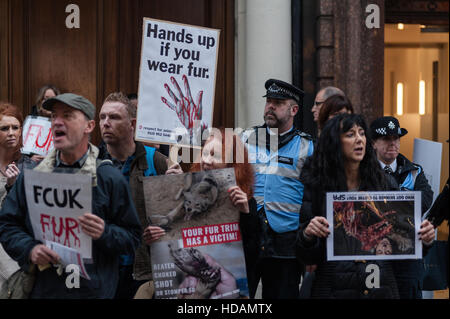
(249, 131)
(297, 131)
(254, 128)
(305, 135)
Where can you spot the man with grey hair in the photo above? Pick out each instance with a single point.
(112, 221)
(321, 96)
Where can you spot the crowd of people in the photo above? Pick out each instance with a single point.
(281, 195)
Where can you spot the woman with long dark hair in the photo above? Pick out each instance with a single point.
(343, 161)
(45, 92)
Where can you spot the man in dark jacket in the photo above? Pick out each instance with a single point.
(134, 160)
(386, 133)
(112, 224)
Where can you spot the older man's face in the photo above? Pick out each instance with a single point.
(70, 127)
(387, 148)
(318, 101)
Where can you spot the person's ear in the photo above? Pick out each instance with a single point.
(294, 109)
(373, 144)
(90, 126)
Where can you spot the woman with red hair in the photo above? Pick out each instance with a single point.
(11, 160)
(11, 164)
(224, 149)
(219, 152)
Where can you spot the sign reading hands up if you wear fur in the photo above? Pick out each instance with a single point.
(176, 82)
(201, 256)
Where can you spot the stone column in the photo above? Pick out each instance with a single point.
(350, 55)
(263, 44)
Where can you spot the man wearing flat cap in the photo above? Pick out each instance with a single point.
(386, 133)
(278, 191)
(112, 221)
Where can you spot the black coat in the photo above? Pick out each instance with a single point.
(409, 272)
(111, 201)
(248, 224)
(337, 279)
(404, 167)
(439, 211)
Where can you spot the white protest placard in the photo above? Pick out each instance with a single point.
(428, 154)
(37, 136)
(176, 82)
(69, 256)
(55, 202)
(374, 225)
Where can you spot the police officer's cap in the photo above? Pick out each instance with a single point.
(278, 89)
(386, 126)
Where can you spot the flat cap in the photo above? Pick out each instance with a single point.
(73, 100)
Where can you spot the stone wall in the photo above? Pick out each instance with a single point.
(349, 55)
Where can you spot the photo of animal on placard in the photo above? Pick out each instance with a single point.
(190, 199)
(374, 228)
(203, 272)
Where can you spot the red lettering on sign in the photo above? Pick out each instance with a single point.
(30, 130)
(44, 221)
(47, 142)
(69, 230)
(63, 230)
(211, 235)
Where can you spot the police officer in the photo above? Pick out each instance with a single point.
(277, 151)
(386, 133)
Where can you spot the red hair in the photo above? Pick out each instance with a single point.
(7, 109)
(242, 168)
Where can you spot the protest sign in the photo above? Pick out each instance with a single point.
(37, 136)
(201, 255)
(428, 154)
(176, 82)
(69, 256)
(55, 201)
(374, 225)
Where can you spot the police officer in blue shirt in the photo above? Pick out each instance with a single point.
(277, 151)
(386, 133)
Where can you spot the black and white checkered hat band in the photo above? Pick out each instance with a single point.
(381, 131)
(276, 89)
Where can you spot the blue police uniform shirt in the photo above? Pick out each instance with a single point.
(277, 181)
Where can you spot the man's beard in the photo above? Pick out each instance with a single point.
(272, 122)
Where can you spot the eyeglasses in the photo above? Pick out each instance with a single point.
(317, 103)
